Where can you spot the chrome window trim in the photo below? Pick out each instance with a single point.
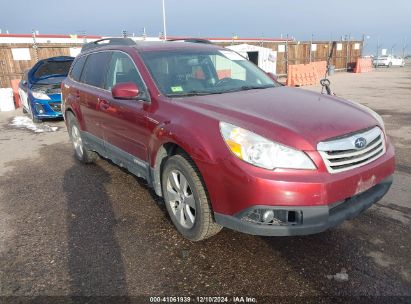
(103, 89)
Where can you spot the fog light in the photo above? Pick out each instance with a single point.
(273, 216)
(39, 108)
(268, 216)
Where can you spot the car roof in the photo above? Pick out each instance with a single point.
(173, 45)
(148, 46)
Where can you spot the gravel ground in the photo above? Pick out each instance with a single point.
(72, 230)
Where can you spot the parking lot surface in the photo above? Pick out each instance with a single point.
(96, 230)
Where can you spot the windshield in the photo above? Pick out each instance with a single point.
(184, 73)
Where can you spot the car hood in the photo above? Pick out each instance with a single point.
(292, 116)
(50, 70)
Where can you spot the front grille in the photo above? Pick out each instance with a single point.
(55, 106)
(342, 155)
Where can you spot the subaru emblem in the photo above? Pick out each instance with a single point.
(360, 142)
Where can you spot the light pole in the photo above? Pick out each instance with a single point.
(164, 22)
(364, 42)
(392, 49)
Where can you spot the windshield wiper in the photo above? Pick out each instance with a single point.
(246, 87)
(192, 93)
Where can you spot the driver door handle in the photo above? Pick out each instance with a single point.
(103, 104)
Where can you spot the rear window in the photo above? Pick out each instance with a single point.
(60, 68)
(95, 69)
(77, 68)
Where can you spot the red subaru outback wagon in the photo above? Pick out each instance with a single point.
(222, 142)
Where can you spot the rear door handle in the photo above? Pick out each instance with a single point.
(104, 104)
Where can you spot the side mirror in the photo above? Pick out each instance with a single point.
(272, 76)
(125, 90)
(24, 82)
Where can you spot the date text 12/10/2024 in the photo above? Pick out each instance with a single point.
(203, 299)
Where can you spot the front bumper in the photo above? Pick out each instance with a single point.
(51, 108)
(310, 220)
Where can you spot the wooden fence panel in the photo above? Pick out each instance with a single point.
(14, 69)
(298, 53)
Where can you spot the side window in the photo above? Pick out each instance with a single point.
(95, 69)
(122, 69)
(75, 72)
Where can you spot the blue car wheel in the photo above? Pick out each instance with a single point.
(33, 118)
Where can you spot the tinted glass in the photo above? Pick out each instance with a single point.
(212, 71)
(122, 69)
(95, 69)
(77, 68)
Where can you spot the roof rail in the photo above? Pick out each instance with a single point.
(192, 40)
(107, 41)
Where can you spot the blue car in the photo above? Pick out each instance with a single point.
(40, 91)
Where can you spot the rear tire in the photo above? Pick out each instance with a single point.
(186, 199)
(82, 154)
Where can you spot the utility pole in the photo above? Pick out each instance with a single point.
(404, 46)
(347, 50)
(164, 22)
(378, 46)
(144, 33)
(378, 50)
(311, 45)
(363, 44)
(286, 56)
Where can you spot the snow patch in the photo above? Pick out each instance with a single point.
(339, 276)
(25, 122)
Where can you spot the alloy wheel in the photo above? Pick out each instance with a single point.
(77, 141)
(181, 199)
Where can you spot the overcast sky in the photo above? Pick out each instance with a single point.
(390, 21)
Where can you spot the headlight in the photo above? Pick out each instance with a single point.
(262, 152)
(40, 95)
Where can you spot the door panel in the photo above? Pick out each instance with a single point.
(90, 90)
(125, 121)
(90, 109)
(125, 125)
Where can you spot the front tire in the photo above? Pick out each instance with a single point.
(186, 199)
(33, 118)
(83, 154)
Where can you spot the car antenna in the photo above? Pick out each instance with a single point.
(325, 82)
